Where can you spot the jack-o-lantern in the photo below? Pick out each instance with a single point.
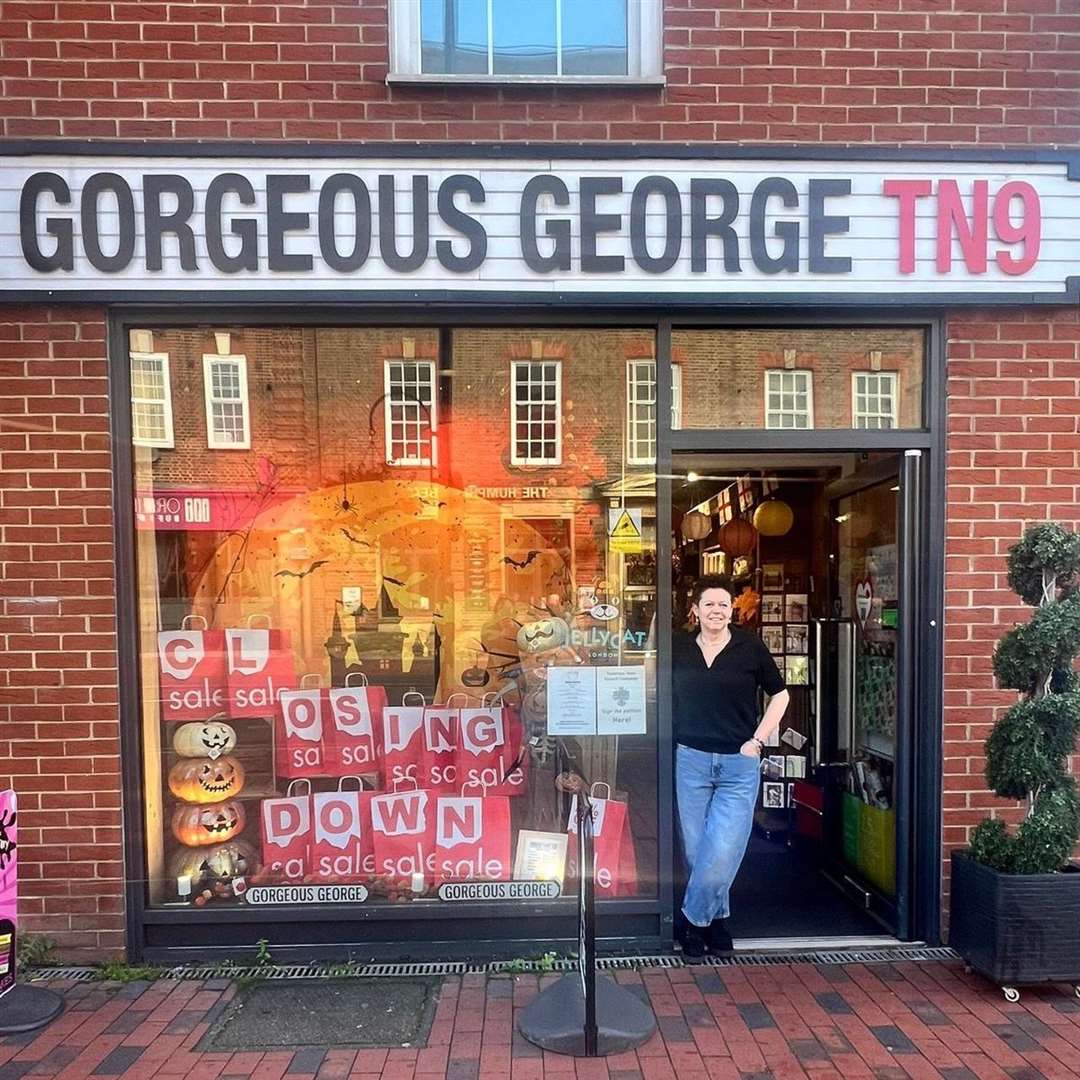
(542, 635)
(200, 826)
(220, 869)
(211, 739)
(200, 780)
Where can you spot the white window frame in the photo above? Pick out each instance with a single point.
(515, 458)
(809, 374)
(634, 456)
(644, 49)
(240, 362)
(167, 442)
(894, 416)
(419, 461)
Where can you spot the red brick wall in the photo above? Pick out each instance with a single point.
(995, 72)
(1014, 399)
(59, 735)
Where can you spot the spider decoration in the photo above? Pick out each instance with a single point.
(7, 845)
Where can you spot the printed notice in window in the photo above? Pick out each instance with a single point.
(620, 700)
(571, 701)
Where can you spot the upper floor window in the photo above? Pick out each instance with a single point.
(410, 411)
(506, 40)
(536, 423)
(789, 398)
(151, 400)
(874, 400)
(228, 422)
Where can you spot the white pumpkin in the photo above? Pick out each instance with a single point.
(210, 739)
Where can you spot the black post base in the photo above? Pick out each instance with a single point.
(26, 1007)
(555, 1018)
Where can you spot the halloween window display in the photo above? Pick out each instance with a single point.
(429, 597)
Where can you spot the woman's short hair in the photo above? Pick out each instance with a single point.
(711, 581)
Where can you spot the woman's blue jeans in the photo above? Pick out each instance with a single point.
(716, 796)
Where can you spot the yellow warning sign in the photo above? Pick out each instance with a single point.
(624, 530)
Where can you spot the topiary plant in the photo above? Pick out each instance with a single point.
(1027, 751)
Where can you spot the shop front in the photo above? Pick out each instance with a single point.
(421, 460)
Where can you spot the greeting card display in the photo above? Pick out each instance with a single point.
(342, 842)
(403, 740)
(614, 860)
(472, 838)
(353, 716)
(192, 669)
(491, 753)
(286, 833)
(259, 665)
(403, 827)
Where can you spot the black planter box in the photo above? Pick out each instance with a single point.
(1015, 928)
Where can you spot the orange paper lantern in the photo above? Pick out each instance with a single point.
(738, 537)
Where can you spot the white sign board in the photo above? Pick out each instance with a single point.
(850, 229)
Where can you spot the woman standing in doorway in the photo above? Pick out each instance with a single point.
(717, 674)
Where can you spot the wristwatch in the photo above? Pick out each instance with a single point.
(758, 743)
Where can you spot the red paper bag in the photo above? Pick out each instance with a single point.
(353, 716)
(402, 741)
(286, 834)
(260, 666)
(472, 838)
(403, 827)
(342, 844)
(614, 859)
(299, 733)
(491, 753)
(438, 766)
(193, 678)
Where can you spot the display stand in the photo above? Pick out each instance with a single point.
(26, 1008)
(586, 1014)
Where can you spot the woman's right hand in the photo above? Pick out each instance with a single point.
(751, 749)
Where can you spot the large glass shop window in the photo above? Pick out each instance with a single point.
(397, 594)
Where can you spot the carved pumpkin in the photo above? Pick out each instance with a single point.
(211, 739)
(200, 780)
(218, 868)
(542, 635)
(199, 826)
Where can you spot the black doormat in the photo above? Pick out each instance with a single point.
(334, 1012)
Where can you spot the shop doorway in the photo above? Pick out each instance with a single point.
(819, 547)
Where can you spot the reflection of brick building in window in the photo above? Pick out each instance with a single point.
(407, 536)
(723, 372)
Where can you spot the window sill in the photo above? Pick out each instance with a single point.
(527, 80)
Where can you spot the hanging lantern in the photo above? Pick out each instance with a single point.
(773, 518)
(696, 525)
(738, 537)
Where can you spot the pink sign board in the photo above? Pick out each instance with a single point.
(8, 892)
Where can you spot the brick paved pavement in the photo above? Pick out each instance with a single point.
(728, 1023)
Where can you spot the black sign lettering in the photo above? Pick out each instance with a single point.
(559, 230)
(787, 231)
(639, 245)
(702, 226)
(593, 223)
(403, 264)
(338, 184)
(63, 255)
(820, 225)
(464, 223)
(279, 221)
(93, 189)
(178, 223)
(247, 258)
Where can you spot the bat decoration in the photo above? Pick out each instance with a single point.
(302, 573)
(529, 558)
(432, 502)
(354, 539)
(394, 581)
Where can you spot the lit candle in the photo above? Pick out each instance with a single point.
(418, 882)
(183, 886)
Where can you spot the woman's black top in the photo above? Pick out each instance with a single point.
(716, 708)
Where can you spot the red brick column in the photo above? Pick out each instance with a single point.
(1014, 403)
(59, 730)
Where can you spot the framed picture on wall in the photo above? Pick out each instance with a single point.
(796, 607)
(772, 609)
(772, 577)
(797, 671)
(772, 796)
(796, 636)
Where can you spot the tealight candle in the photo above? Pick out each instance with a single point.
(418, 882)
